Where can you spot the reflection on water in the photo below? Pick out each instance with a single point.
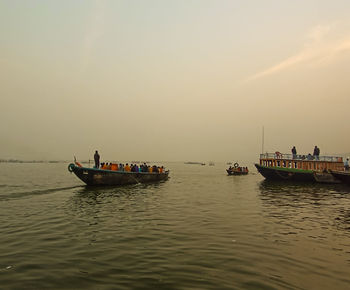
(307, 206)
(90, 203)
(280, 186)
(311, 222)
(290, 193)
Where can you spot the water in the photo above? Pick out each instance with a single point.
(201, 229)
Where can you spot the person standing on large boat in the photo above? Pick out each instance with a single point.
(317, 153)
(294, 152)
(346, 164)
(97, 159)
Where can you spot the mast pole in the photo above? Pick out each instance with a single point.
(263, 139)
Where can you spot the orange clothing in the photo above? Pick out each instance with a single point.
(104, 167)
(161, 170)
(114, 167)
(127, 168)
(150, 169)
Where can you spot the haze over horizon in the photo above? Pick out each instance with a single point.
(173, 80)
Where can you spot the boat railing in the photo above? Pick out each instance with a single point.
(286, 156)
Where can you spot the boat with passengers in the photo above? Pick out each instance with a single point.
(102, 176)
(237, 170)
(308, 168)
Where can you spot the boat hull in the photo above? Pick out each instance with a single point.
(93, 176)
(295, 175)
(342, 176)
(234, 172)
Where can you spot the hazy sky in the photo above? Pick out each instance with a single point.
(173, 80)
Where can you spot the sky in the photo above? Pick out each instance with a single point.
(185, 80)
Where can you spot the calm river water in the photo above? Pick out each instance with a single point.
(201, 229)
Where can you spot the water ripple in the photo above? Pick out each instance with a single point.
(22, 194)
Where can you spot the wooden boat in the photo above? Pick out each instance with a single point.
(95, 176)
(277, 166)
(342, 176)
(237, 170)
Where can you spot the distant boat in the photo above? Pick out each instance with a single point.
(237, 170)
(211, 163)
(278, 166)
(95, 176)
(198, 163)
(229, 163)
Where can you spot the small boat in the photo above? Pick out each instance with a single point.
(278, 166)
(342, 176)
(211, 163)
(95, 176)
(237, 170)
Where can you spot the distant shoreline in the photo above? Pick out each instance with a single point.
(31, 161)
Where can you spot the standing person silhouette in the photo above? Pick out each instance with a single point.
(346, 164)
(97, 159)
(317, 153)
(294, 152)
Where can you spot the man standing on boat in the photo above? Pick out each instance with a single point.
(317, 153)
(97, 159)
(346, 164)
(294, 152)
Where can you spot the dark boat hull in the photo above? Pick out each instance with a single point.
(295, 175)
(93, 176)
(343, 176)
(233, 172)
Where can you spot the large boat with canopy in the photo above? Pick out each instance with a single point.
(289, 167)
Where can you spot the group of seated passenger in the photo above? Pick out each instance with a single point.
(240, 169)
(132, 167)
(303, 157)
